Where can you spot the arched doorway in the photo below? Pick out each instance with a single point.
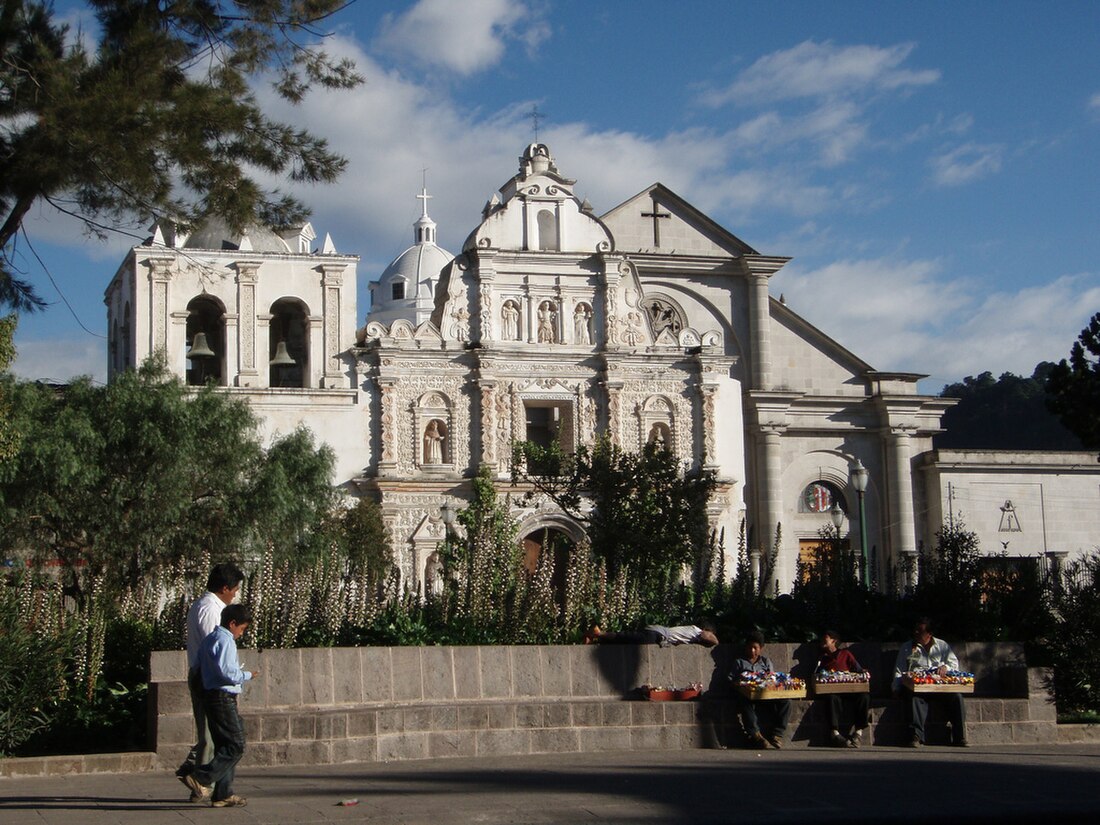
(558, 543)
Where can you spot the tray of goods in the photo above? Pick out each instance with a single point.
(771, 686)
(685, 694)
(841, 681)
(657, 694)
(955, 681)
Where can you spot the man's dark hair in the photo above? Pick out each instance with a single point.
(832, 634)
(708, 626)
(238, 613)
(224, 576)
(754, 637)
(924, 622)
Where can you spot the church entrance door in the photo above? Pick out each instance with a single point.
(548, 540)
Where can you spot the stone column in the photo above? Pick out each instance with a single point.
(387, 464)
(248, 371)
(771, 470)
(760, 331)
(332, 279)
(901, 516)
(160, 273)
(488, 422)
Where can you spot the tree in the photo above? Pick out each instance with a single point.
(9, 438)
(642, 512)
(1009, 413)
(159, 119)
(1074, 386)
(119, 484)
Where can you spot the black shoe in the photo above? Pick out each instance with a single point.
(961, 743)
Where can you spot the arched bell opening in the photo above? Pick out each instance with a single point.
(288, 344)
(205, 352)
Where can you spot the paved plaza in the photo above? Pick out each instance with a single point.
(1041, 783)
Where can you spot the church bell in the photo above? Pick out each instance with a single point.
(199, 347)
(282, 357)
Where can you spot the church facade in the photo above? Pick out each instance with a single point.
(552, 324)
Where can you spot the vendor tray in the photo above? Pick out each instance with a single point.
(755, 693)
(935, 688)
(821, 688)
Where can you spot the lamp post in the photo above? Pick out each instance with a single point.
(837, 515)
(447, 512)
(859, 478)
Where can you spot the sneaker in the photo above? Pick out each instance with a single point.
(837, 740)
(199, 792)
(916, 743)
(231, 801)
(776, 742)
(758, 741)
(961, 743)
(856, 739)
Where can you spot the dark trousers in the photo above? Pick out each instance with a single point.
(776, 712)
(203, 749)
(916, 713)
(859, 702)
(228, 734)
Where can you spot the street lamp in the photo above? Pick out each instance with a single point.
(448, 514)
(837, 515)
(859, 479)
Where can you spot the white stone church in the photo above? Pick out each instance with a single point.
(648, 322)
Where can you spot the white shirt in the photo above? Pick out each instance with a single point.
(205, 614)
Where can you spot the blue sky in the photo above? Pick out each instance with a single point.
(931, 167)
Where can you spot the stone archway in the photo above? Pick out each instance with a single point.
(548, 539)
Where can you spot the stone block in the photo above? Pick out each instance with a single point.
(362, 723)
(377, 669)
(416, 719)
(1016, 710)
(679, 713)
(985, 710)
(502, 716)
(1024, 733)
(390, 720)
(403, 746)
(452, 743)
(617, 714)
(587, 714)
(558, 715)
(496, 672)
(467, 671)
(503, 742)
(526, 672)
(309, 753)
(657, 666)
(557, 680)
(175, 730)
(647, 713)
(332, 726)
(172, 698)
(168, 666)
(437, 669)
(355, 749)
(655, 737)
(283, 678)
(555, 740)
(347, 675)
(252, 728)
(303, 726)
(530, 715)
(583, 670)
(474, 717)
(266, 754)
(444, 717)
(274, 727)
(691, 663)
(317, 676)
(603, 739)
(407, 674)
(1042, 710)
(253, 695)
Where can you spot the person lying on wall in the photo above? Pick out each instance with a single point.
(655, 634)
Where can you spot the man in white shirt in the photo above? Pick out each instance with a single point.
(205, 614)
(925, 652)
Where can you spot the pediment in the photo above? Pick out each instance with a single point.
(658, 221)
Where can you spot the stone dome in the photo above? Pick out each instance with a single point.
(214, 233)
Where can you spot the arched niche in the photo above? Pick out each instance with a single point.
(205, 326)
(288, 365)
(433, 422)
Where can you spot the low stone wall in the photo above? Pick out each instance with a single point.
(329, 705)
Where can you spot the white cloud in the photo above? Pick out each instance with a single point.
(823, 70)
(966, 163)
(914, 316)
(465, 37)
(60, 360)
(1094, 104)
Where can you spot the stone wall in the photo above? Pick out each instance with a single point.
(328, 705)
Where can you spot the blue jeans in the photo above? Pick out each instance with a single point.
(227, 731)
(779, 711)
(916, 713)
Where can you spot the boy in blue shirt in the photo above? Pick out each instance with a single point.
(222, 678)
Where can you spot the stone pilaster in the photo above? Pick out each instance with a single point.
(248, 372)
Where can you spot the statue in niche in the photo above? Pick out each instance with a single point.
(433, 443)
(433, 575)
(509, 314)
(660, 436)
(462, 324)
(633, 333)
(582, 315)
(547, 316)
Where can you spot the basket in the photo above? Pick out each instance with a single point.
(757, 693)
(824, 688)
